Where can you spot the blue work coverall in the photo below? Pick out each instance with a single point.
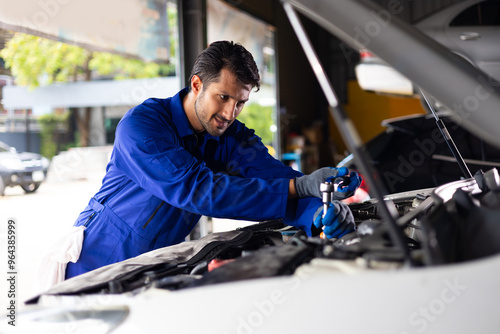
(161, 178)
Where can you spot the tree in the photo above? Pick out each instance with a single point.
(259, 118)
(35, 61)
(49, 125)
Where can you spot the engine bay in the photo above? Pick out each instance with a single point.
(436, 224)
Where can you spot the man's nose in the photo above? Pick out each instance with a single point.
(229, 111)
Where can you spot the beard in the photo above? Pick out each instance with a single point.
(214, 124)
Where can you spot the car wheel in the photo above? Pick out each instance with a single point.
(31, 187)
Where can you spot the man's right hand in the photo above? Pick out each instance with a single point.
(337, 222)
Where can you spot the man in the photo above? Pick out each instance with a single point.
(179, 158)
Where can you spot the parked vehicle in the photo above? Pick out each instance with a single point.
(24, 169)
(426, 260)
(470, 29)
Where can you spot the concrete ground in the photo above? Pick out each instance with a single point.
(43, 216)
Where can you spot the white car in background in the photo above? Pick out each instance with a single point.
(470, 29)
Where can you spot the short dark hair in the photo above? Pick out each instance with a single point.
(226, 55)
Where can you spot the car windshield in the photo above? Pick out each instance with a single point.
(482, 14)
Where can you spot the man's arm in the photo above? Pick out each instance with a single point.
(253, 160)
(160, 165)
(292, 192)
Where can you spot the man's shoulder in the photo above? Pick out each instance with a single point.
(151, 104)
(148, 118)
(152, 110)
(158, 106)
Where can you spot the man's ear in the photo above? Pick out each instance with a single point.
(196, 84)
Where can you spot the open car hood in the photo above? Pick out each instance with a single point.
(471, 95)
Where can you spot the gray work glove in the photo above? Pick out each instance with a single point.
(308, 185)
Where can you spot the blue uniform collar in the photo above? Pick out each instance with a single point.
(180, 118)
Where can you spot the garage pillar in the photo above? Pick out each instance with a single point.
(193, 34)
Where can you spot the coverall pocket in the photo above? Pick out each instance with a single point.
(85, 217)
(117, 239)
(143, 226)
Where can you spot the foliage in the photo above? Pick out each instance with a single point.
(260, 119)
(119, 67)
(36, 61)
(50, 125)
(173, 29)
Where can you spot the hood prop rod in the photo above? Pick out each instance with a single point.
(447, 137)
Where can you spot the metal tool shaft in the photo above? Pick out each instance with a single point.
(327, 189)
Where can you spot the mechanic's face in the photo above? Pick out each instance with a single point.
(219, 103)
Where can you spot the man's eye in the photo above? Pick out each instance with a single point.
(223, 97)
